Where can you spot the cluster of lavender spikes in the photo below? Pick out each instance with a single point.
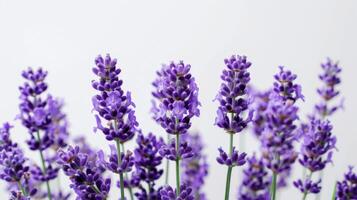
(275, 125)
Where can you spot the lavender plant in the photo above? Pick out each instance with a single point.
(117, 109)
(230, 112)
(176, 95)
(175, 104)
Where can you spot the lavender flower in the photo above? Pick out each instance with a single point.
(233, 105)
(86, 179)
(176, 93)
(195, 169)
(330, 78)
(260, 104)
(112, 104)
(256, 181)
(236, 78)
(13, 166)
(167, 193)
(347, 189)
(117, 109)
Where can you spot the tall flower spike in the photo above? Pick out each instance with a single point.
(256, 181)
(233, 106)
(176, 102)
(195, 169)
(117, 109)
(13, 166)
(36, 114)
(347, 189)
(330, 78)
(280, 132)
(86, 179)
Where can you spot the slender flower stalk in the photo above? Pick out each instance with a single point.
(279, 134)
(233, 105)
(176, 102)
(117, 109)
(37, 115)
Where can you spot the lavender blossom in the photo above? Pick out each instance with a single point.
(167, 193)
(176, 94)
(256, 181)
(260, 104)
(117, 109)
(347, 189)
(86, 180)
(195, 169)
(14, 168)
(330, 78)
(233, 106)
(111, 104)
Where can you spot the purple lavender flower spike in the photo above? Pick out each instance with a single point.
(330, 78)
(195, 169)
(167, 193)
(112, 104)
(260, 104)
(308, 186)
(13, 166)
(86, 180)
(233, 106)
(256, 181)
(117, 110)
(347, 188)
(176, 94)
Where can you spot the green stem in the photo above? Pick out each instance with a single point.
(229, 171)
(49, 194)
(126, 177)
(334, 191)
(167, 164)
(121, 178)
(23, 191)
(149, 189)
(177, 165)
(273, 186)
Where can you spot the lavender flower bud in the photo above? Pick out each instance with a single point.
(127, 161)
(169, 151)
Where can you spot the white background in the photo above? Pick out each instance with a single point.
(65, 38)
